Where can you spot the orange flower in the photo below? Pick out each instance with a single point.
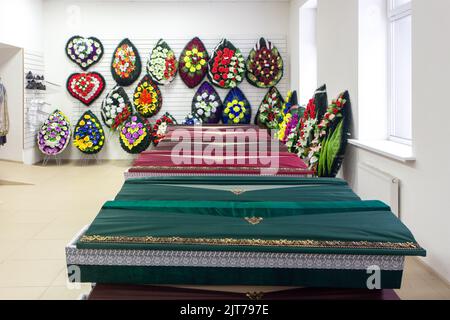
(146, 97)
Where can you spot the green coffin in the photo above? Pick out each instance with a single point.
(342, 227)
(232, 276)
(312, 232)
(244, 189)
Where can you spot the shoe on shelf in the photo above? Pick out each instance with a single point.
(31, 85)
(41, 86)
(29, 76)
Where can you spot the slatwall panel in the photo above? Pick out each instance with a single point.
(34, 62)
(177, 97)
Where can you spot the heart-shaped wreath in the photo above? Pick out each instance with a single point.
(85, 52)
(86, 87)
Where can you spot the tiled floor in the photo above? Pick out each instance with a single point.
(42, 208)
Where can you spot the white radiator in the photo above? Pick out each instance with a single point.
(374, 184)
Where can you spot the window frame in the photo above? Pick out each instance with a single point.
(394, 14)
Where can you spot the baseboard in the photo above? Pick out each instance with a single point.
(432, 271)
(11, 161)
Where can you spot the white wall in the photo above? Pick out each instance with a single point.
(294, 42)
(337, 46)
(21, 23)
(425, 186)
(308, 51)
(152, 20)
(11, 69)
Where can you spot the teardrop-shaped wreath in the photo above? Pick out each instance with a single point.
(134, 135)
(226, 69)
(270, 112)
(207, 104)
(116, 108)
(194, 63)
(161, 126)
(147, 98)
(264, 65)
(162, 65)
(54, 135)
(237, 109)
(88, 136)
(126, 63)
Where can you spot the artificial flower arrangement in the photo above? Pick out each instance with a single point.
(88, 136)
(308, 147)
(85, 52)
(135, 134)
(54, 135)
(147, 97)
(334, 130)
(162, 65)
(291, 134)
(126, 64)
(194, 63)
(281, 134)
(192, 120)
(226, 68)
(116, 108)
(264, 65)
(161, 126)
(207, 104)
(270, 112)
(319, 152)
(334, 111)
(292, 127)
(290, 102)
(308, 124)
(321, 101)
(237, 109)
(86, 87)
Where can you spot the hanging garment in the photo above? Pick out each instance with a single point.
(4, 116)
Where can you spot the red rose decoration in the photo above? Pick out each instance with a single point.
(264, 65)
(227, 67)
(86, 87)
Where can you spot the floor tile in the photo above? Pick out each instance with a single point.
(22, 293)
(40, 250)
(9, 247)
(32, 273)
(33, 235)
(20, 231)
(63, 293)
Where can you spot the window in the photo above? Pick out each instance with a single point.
(308, 51)
(400, 61)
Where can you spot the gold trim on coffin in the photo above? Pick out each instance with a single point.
(237, 192)
(254, 220)
(253, 242)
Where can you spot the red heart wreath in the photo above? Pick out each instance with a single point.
(86, 87)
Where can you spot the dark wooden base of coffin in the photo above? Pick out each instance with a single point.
(131, 292)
